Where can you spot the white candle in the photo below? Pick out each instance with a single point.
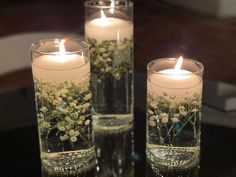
(108, 28)
(60, 66)
(175, 82)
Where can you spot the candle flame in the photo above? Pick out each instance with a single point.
(112, 7)
(179, 63)
(103, 20)
(103, 16)
(62, 49)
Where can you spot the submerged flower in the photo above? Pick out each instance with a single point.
(73, 139)
(151, 123)
(195, 110)
(45, 125)
(181, 108)
(174, 119)
(64, 137)
(87, 122)
(154, 117)
(164, 120)
(183, 113)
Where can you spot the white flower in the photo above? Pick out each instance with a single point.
(73, 139)
(164, 120)
(87, 122)
(43, 109)
(195, 110)
(45, 125)
(183, 113)
(75, 115)
(87, 97)
(151, 123)
(176, 115)
(61, 128)
(162, 115)
(80, 122)
(71, 132)
(154, 117)
(86, 105)
(73, 104)
(64, 137)
(150, 111)
(82, 118)
(153, 105)
(77, 133)
(69, 98)
(181, 108)
(174, 119)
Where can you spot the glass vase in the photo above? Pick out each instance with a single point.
(61, 75)
(109, 32)
(174, 95)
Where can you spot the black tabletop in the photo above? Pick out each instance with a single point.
(19, 148)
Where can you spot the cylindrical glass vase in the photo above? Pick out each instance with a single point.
(109, 32)
(61, 74)
(174, 94)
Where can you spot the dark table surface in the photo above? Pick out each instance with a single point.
(19, 148)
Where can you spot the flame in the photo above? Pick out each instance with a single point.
(179, 63)
(103, 16)
(62, 49)
(112, 7)
(103, 20)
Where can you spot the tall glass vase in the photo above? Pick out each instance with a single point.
(109, 32)
(61, 73)
(174, 94)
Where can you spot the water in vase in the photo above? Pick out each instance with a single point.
(173, 130)
(64, 124)
(112, 74)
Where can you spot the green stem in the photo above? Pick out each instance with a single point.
(183, 125)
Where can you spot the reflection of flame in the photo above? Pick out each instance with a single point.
(112, 7)
(118, 36)
(179, 63)
(62, 49)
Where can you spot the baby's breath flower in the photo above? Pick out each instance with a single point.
(45, 125)
(87, 97)
(76, 133)
(163, 115)
(87, 122)
(61, 128)
(80, 122)
(164, 120)
(82, 118)
(44, 109)
(151, 123)
(174, 119)
(64, 137)
(183, 113)
(152, 118)
(71, 132)
(181, 108)
(73, 139)
(150, 111)
(176, 115)
(195, 110)
(86, 105)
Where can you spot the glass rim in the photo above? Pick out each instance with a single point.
(33, 48)
(199, 71)
(90, 4)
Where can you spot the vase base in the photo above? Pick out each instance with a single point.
(69, 163)
(112, 122)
